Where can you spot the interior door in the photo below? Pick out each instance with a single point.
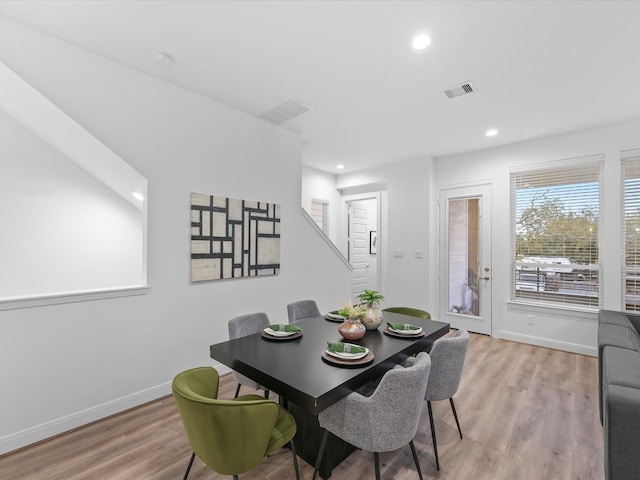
(465, 258)
(362, 253)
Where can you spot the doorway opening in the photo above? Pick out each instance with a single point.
(363, 242)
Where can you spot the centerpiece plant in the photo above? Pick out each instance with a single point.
(371, 297)
(373, 315)
(355, 312)
(352, 328)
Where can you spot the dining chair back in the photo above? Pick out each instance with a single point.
(241, 326)
(302, 309)
(447, 362)
(412, 312)
(384, 421)
(230, 436)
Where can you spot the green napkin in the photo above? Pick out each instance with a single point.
(276, 327)
(402, 326)
(345, 348)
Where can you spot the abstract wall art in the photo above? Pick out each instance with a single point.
(233, 238)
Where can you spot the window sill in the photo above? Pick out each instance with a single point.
(26, 301)
(564, 310)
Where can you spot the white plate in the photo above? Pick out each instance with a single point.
(349, 356)
(278, 333)
(334, 316)
(406, 332)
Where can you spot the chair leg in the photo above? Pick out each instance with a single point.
(433, 435)
(415, 458)
(323, 443)
(237, 391)
(235, 477)
(266, 394)
(295, 458)
(376, 461)
(186, 474)
(455, 415)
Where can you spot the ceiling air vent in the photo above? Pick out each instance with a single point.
(283, 111)
(460, 90)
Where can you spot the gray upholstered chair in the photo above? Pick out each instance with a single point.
(242, 326)
(302, 309)
(385, 421)
(447, 361)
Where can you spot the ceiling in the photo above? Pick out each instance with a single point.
(540, 68)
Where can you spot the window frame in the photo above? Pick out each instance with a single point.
(324, 208)
(626, 157)
(538, 297)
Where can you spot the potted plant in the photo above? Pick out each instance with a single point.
(352, 328)
(373, 315)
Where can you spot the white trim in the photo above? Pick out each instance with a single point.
(12, 303)
(565, 310)
(487, 190)
(549, 343)
(552, 164)
(46, 430)
(377, 196)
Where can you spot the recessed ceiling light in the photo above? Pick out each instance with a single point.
(491, 133)
(138, 196)
(162, 58)
(340, 166)
(420, 42)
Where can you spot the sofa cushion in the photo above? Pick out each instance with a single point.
(612, 317)
(618, 336)
(621, 427)
(621, 367)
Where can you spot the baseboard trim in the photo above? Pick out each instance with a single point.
(548, 343)
(55, 427)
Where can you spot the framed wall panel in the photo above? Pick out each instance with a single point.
(233, 238)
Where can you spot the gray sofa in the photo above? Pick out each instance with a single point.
(619, 380)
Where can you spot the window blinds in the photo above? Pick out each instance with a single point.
(555, 213)
(631, 229)
(319, 214)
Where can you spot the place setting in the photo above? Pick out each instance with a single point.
(403, 330)
(279, 332)
(334, 316)
(347, 355)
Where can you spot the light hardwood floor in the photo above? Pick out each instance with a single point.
(526, 413)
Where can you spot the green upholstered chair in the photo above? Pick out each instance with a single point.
(230, 436)
(413, 312)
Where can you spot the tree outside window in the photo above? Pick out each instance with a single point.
(555, 224)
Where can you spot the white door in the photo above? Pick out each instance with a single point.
(465, 258)
(362, 230)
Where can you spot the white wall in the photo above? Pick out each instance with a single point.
(319, 185)
(68, 364)
(404, 228)
(556, 328)
(66, 231)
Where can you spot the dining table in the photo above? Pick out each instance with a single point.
(307, 379)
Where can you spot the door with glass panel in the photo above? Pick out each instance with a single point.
(465, 258)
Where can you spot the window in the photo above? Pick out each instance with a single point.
(319, 214)
(555, 212)
(631, 229)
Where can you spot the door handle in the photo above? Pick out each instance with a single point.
(486, 278)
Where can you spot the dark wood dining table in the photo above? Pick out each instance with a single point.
(307, 384)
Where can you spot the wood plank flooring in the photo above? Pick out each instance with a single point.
(526, 413)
